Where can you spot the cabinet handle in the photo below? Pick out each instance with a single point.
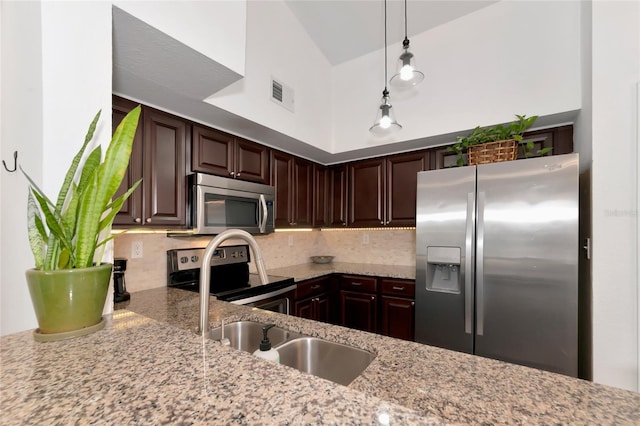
(356, 284)
(238, 174)
(382, 222)
(344, 223)
(137, 220)
(313, 287)
(398, 288)
(373, 298)
(232, 173)
(148, 220)
(413, 303)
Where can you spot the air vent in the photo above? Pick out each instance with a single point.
(277, 91)
(282, 94)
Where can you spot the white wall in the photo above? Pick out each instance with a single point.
(53, 83)
(278, 47)
(509, 58)
(616, 72)
(200, 25)
(21, 127)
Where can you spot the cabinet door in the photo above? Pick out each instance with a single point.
(441, 158)
(323, 308)
(320, 196)
(212, 152)
(398, 317)
(302, 193)
(251, 161)
(338, 196)
(305, 309)
(164, 182)
(366, 193)
(401, 187)
(359, 310)
(282, 180)
(131, 212)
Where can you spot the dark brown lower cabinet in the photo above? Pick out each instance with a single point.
(376, 305)
(398, 317)
(397, 303)
(359, 310)
(313, 300)
(315, 308)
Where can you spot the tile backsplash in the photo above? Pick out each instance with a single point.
(386, 247)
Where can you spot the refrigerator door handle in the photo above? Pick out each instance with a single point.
(480, 266)
(468, 265)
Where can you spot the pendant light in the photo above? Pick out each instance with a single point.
(385, 118)
(407, 76)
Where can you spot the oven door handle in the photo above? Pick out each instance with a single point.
(262, 216)
(263, 296)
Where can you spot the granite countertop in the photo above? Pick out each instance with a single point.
(146, 368)
(312, 270)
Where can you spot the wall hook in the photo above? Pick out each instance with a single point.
(15, 163)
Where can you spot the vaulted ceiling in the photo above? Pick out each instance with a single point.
(346, 29)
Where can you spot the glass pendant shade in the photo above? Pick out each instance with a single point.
(385, 118)
(407, 76)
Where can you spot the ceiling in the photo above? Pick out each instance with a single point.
(347, 29)
(145, 68)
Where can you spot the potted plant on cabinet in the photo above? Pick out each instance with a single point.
(495, 143)
(68, 290)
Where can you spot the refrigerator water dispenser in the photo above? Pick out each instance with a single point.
(443, 269)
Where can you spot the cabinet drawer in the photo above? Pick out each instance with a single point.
(405, 288)
(312, 287)
(358, 283)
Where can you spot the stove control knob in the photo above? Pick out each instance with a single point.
(194, 258)
(184, 259)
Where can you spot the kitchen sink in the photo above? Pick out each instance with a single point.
(246, 335)
(332, 361)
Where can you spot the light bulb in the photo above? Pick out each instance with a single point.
(385, 121)
(406, 73)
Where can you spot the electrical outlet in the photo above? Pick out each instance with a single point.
(365, 238)
(290, 240)
(136, 249)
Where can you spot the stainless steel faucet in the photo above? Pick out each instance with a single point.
(205, 270)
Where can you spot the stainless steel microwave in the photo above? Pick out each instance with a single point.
(219, 203)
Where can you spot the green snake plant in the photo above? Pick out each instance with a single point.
(67, 233)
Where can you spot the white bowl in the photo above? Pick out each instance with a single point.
(321, 259)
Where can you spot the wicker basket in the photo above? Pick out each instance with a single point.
(493, 152)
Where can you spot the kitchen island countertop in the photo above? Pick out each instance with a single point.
(148, 367)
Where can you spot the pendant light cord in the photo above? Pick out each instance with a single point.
(405, 18)
(385, 92)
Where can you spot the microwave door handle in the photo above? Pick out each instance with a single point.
(262, 219)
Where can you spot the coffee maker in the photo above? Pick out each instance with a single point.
(120, 293)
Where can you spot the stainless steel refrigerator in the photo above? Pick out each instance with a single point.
(497, 261)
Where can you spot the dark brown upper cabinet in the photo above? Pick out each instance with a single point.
(401, 187)
(337, 195)
(222, 154)
(292, 178)
(132, 207)
(382, 191)
(320, 196)
(159, 157)
(366, 192)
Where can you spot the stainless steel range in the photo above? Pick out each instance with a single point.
(230, 278)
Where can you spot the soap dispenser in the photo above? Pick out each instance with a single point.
(265, 350)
